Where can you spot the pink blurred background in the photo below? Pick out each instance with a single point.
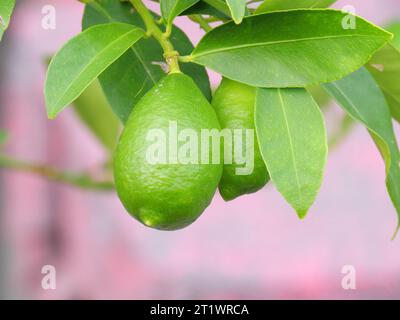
(251, 248)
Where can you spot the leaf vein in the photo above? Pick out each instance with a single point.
(259, 44)
(291, 145)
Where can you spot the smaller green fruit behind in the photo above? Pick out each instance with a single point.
(166, 195)
(234, 103)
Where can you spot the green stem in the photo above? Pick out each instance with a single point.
(214, 19)
(188, 58)
(201, 21)
(170, 54)
(81, 181)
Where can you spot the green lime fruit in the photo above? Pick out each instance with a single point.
(234, 103)
(160, 180)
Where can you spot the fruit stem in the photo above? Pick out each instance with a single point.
(81, 181)
(170, 54)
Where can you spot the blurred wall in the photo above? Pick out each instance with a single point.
(253, 247)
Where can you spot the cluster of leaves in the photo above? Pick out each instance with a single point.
(282, 47)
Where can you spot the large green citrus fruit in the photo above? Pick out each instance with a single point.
(153, 183)
(234, 104)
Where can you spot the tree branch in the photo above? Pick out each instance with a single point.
(83, 181)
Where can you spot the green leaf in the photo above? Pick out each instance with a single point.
(172, 8)
(395, 29)
(134, 73)
(385, 67)
(320, 96)
(202, 7)
(220, 5)
(238, 9)
(361, 98)
(294, 48)
(6, 9)
(276, 5)
(3, 137)
(94, 111)
(346, 125)
(82, 59)
(292, 138)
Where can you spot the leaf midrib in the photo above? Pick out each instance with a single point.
(353, 107)
(263, 44)
(291, 147)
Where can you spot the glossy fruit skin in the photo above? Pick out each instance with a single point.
(165, 196)
(234, 103)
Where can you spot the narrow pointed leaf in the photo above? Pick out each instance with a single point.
(361, 98)
(6, 9)
(83, 59)
(289, 48)
(276, 5)
(172, 8)
(292, 138)
(385, 68)
(238, 9)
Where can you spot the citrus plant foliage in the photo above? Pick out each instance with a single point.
(6, 9)
(280, 61)
(3, 137)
